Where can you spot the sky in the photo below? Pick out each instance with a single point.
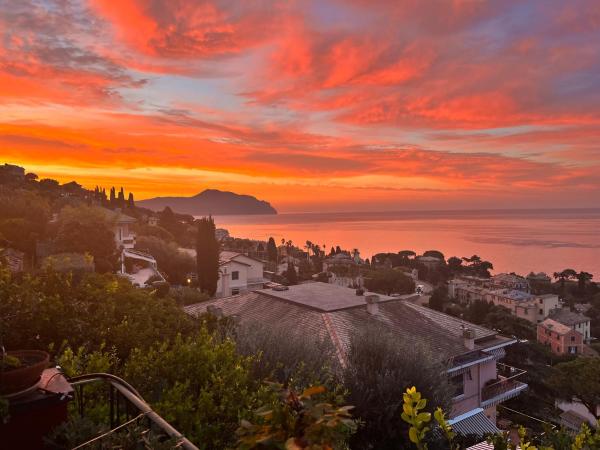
(324, 105)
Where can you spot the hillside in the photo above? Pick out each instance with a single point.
(210, 201)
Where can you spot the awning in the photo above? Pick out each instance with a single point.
(497, 353)
(473, 423)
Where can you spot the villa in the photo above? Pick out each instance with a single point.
(561, 339)
(574, 320)
(524, 305)
(335, 313)
(239, 273)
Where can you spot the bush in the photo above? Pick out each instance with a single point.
(378, 372)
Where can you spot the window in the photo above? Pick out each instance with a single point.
(541, 301)
(235, 275)
(541, 311)
(572, 338)
(235, 291)
(458, 382)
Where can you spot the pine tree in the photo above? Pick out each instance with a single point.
(207, 256)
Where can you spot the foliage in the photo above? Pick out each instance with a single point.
(187, 295)
(49, 308)
(75, 227)
(9, 362)
(291, 275)
(388, 281)
(379, 369)
(412, 415)
(207, 256)
(579, 378)
(297, 421)
(154, 231)
(478, 267)
(175, 264)
(272, 250)
(435, 254)
(500, 318)
(438, 298)
(200, 385)
(23, 218)
(295, 359)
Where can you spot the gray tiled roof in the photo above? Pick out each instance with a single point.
(567, 317)
(477, 424)
(409, 322)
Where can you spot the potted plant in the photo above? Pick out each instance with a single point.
(21, 369)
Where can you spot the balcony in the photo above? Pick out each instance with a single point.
(505, 387)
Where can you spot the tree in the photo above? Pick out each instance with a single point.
(579, 379)
(207, 256)
(582, 279)
(130, 202)
(121, 199)
(379, 369)
(389, 281)
(438, 298)
(435, 254)
(112, 197)
(272, 250)
(563, 276)
(175, 264)
(455, 264)
(406, 254)
(87, 229)
(291, 275)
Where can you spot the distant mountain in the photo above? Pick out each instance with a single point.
(210, 201)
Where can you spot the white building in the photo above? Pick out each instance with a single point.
(238, 273)
(122, 228)
(573, 320)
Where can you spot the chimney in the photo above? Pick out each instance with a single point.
(372, 303)
(468, 337)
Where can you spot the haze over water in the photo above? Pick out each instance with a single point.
(513, 240)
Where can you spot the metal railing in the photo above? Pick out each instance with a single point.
(505, 383)
(126, 406)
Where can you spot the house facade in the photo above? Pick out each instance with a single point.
(334, 313)
(574, 320)
(561, 339)
(238, 273)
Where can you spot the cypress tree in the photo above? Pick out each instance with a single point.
(121, 198)
(130, 202)
(272, 250)
(112, 197)
(291, 275)
(207, 256)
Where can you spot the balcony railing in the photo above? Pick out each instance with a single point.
(126, 407)
(505, 387)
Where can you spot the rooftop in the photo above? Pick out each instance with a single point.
(118, 216)
(335, 313)
(322, 296)
(555, 326)
(513, 294)
(568, 317)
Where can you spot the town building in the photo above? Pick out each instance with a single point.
(573, 320)
(122, 228)
(239, 273)
(533, 308)
(561, 339)
(510, 281)
(334, 313)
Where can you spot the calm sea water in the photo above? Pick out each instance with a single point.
(513, 240)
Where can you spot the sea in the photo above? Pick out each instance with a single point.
(518, 241)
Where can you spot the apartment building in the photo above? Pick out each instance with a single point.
(561, 339)
(533, 308)
(238, 273)
(574, 320)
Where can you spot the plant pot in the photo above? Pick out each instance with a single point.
(33, 363)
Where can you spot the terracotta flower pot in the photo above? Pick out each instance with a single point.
(33, 363)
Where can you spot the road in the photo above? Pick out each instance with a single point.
(423, 299)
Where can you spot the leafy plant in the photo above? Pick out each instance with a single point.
(297, 421)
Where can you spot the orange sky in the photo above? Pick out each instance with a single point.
(312, 105)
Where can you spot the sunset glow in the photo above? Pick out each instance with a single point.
(312, 105)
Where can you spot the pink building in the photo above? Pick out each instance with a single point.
(561, 339)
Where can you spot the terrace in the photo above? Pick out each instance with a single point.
(505, 387)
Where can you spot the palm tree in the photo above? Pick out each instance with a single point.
(309, 246)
